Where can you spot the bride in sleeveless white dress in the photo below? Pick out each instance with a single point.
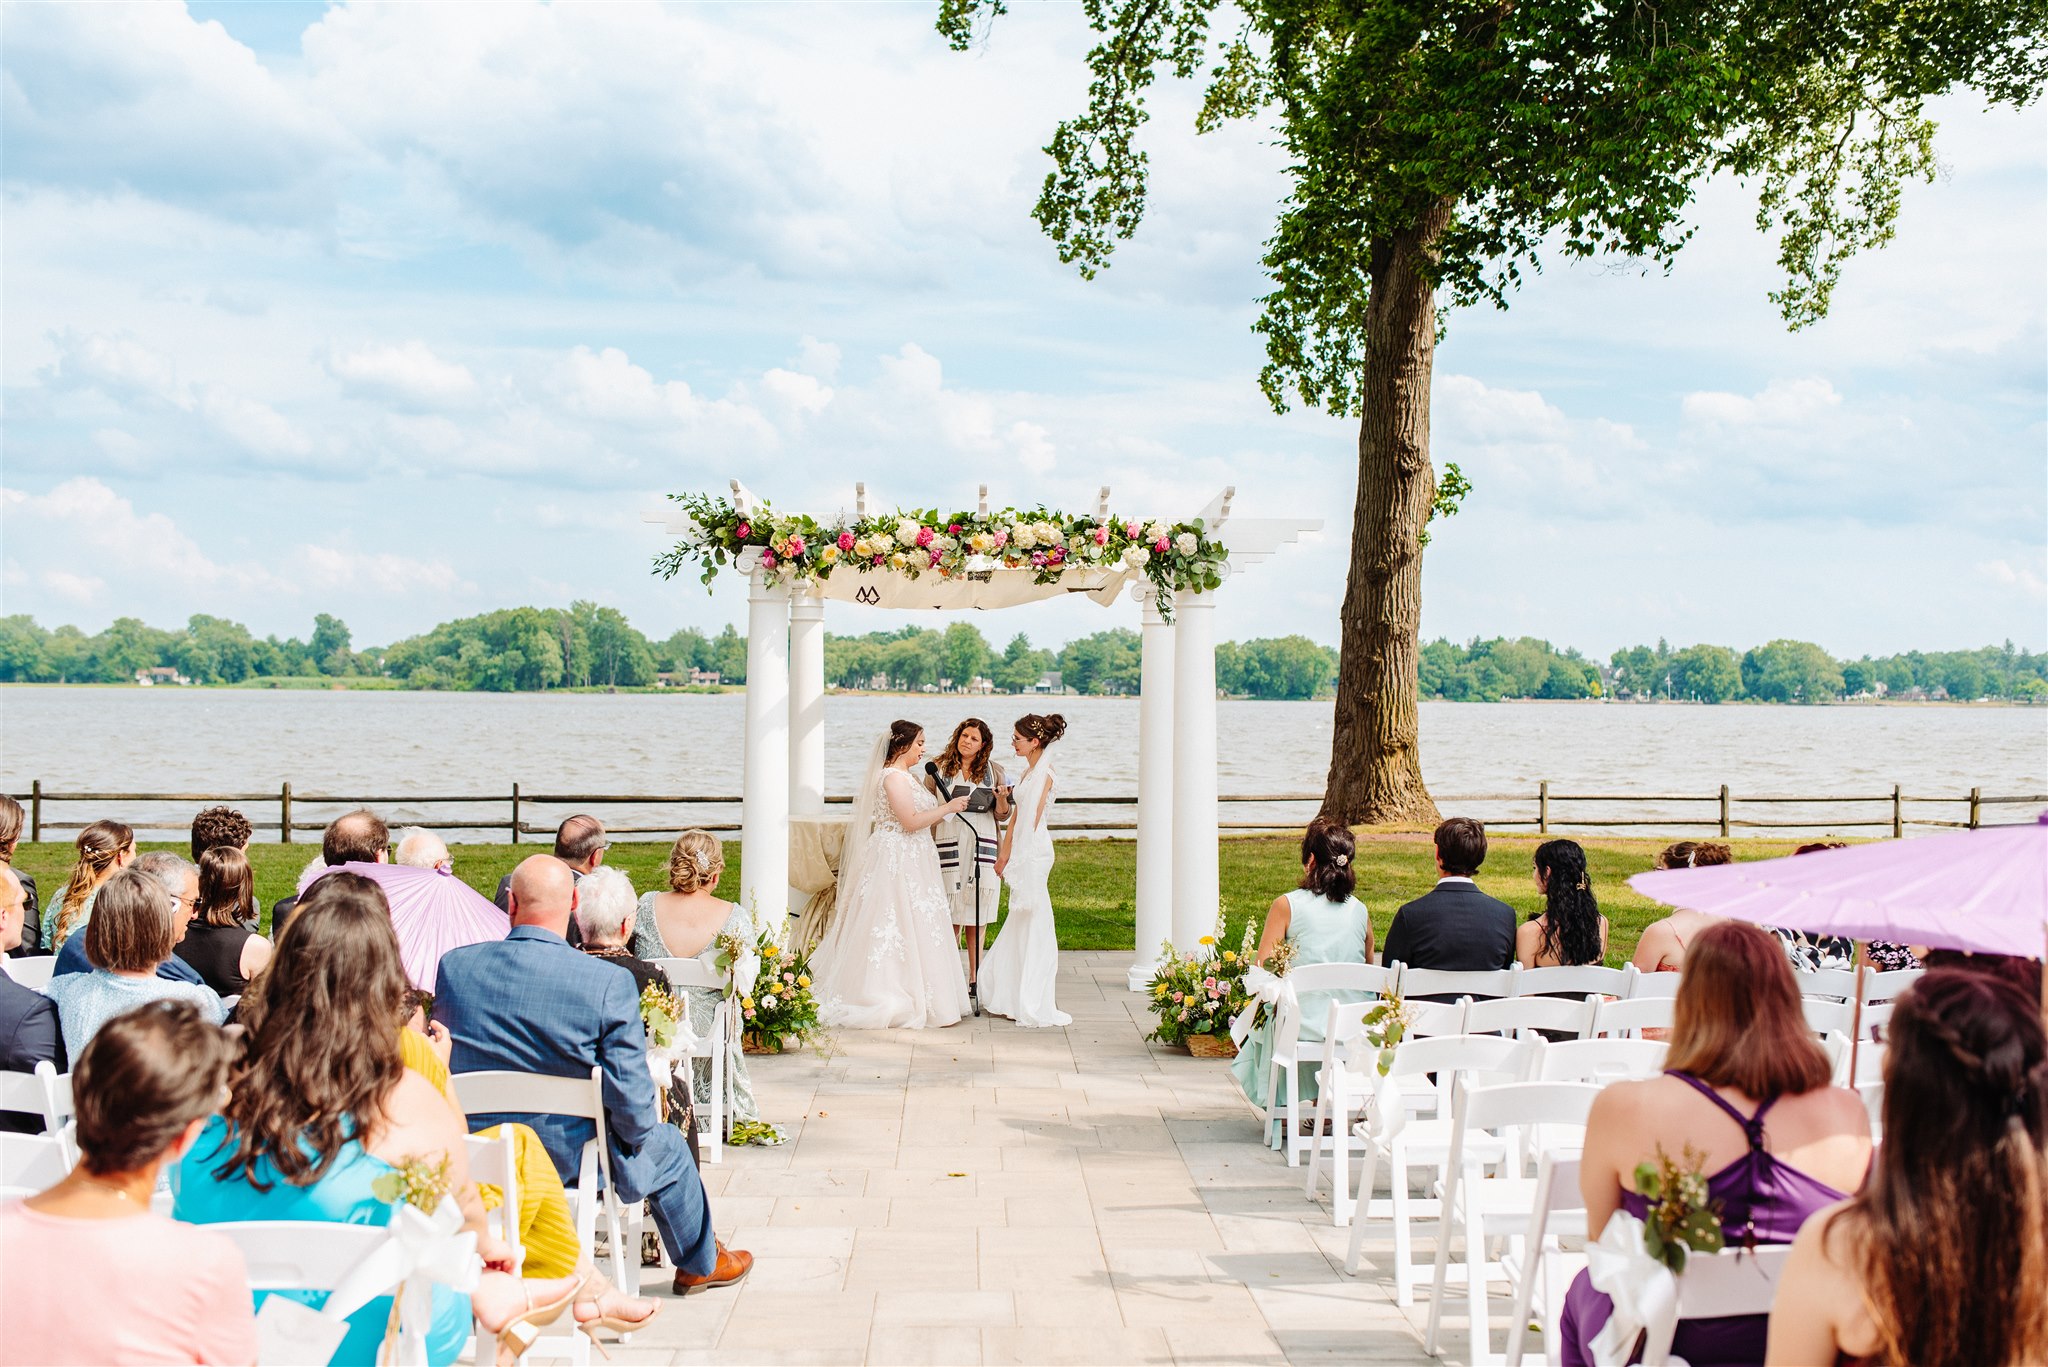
(888, 960)
(1019, 974)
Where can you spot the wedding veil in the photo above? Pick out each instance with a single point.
(867, 802)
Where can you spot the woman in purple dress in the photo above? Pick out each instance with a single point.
(1746, 1086)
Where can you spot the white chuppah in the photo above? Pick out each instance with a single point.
(1178, 870)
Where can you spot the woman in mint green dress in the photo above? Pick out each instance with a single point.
(1328, 926)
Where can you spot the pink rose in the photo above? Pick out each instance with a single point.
(1161, 546)
(1002, 539)
(1130, 531)
(1176, 996)
(1038, 559)
(878, 559)
(1214, 994)
(789, 977)
(1102, 536)
(846, 541)
(745, 530)
(1059, 554)
(795, 548)
(1209, 983)
(936, 554)
(952, 529)
(924, 536)
(767, 559)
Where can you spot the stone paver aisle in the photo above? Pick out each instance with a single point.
(991, 1194)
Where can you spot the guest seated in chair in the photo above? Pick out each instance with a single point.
(1454, 925)
(530, 1003)
(180, 882)
(1662, 946)
(12, 820)
(127, 942)
(29, 1032)
(1327, 925)
(1746, 1085)
(221, 944)
(323, 1107)
(1943, 1256)
(93, 1274)
(1570, 930)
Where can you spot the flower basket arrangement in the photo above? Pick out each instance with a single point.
(1195, 996)
(777, 1010)
(1174, 556)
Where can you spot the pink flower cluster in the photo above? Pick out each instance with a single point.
(846, 541)
(924, 536)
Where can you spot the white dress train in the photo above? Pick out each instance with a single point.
(888, 960)
(1020, 972)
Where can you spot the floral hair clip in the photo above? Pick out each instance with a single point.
(1340, 860)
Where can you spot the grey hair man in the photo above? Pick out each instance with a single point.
(420, 848)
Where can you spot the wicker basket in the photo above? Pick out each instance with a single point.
(749, 1046)
(1211, 1046)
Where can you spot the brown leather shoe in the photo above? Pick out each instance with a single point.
(732, 1269)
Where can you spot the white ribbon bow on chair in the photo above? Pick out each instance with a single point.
(423, 1251)
(1264, 987)
(1644, 1291)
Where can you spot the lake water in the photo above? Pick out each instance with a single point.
(391, 745)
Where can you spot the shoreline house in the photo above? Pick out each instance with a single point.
(692, 678)
(161, 674)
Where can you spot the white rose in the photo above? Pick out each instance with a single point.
(897, 560)
(883, 541)
(1136, 557)
(863, 547)
(1186, 543)
(906, 530)
(979, 543)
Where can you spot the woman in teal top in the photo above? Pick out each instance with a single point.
(1328, 926)
(323, 1106)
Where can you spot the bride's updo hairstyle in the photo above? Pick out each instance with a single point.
(1045, 729)
(1331, 845)
(696, 861)
(902, 735)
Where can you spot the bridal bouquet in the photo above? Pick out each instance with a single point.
(1198, 994)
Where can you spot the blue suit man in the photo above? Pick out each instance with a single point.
(531, 1003)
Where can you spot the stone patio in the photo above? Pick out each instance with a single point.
(991, 1194)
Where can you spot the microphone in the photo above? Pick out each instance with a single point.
(931, 768)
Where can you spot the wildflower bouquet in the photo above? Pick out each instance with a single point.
(1386, 1025)
(415, 1181)
(662, 1012)
(1198, 994)
(1682, 1218)
(778, 1009)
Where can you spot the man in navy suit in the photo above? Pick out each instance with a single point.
(29, 1032)
(1454, 925)
(529, 1003)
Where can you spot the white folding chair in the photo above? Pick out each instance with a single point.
(495, 1162)
(1641, 984)
(1868, 1083)
(1830, 1017)
(1342, 1090)
(1492, 1207)
(33, 971)
(1631, 1015)
(1447, 982)
(577, 1098)
(1546, 1269)
(1585, 980)
(1599, 1061)
(298, 1255)
(44, 1092)
(1735, 1281)
(30, 1163)
(1835, 984)
(1508, 1015)
(1406, 1141)
(1889, 985)
(717, 1047)
(1436, 1018)
(1291, 1052)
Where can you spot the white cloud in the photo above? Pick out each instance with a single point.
(1782, 403)
(2030, 583)
(406, 376)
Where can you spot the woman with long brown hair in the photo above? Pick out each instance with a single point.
(1943, 1256)
(323, 1106)
(221, 943)
(1745, 1086)
(104, 849)
(968, 841)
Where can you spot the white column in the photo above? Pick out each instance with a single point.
(1155, 787)
(1196, 872)
(764, 809)
(806, 703)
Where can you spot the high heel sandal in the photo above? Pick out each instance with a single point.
(520, 1332)
(617, 1324)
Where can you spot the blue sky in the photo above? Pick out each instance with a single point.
(407, 312)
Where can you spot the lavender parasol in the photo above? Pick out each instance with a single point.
(433, 912)
(1983, 891)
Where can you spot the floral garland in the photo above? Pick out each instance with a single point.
(1177, 557)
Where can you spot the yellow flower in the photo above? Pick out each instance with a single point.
(1230, 956)
(747, 1002)
(1208, 940)
(803, 980)
(1159, 991)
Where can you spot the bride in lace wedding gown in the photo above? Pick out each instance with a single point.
(888, 960)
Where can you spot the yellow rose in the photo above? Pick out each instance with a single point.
(803, 980)
(747, 1002)
(829, 554)
(1230, 956)
(1159, 991)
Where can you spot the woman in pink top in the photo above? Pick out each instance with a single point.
(88, 1274)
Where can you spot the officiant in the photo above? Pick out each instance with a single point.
(968, 840)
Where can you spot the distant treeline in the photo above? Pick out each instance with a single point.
(588, 646)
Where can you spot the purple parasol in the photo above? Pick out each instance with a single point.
(433, 912)
(1983, 891)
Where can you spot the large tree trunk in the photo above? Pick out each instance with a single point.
(1375, 763)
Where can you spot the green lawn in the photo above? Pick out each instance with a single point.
(1093, 880)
